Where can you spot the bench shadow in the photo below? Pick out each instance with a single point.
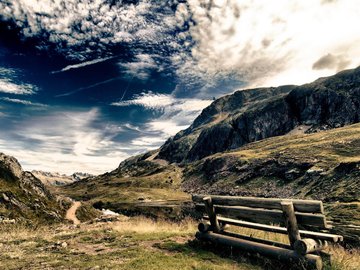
(209, 252)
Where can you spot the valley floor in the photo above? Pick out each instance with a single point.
(128, 243)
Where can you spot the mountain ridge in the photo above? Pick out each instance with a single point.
(325, 103)
(57, 179)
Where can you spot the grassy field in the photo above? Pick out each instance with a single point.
(161, 183)
(132, 243)
(328, 147)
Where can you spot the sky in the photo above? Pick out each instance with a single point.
(85, 84)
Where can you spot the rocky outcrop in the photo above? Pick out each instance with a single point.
(23, 196)
(10, 169)
(252, 115)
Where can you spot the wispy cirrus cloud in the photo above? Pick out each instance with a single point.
(65, 141)
(82, 64)
(23, 102)
(176, 114)
(148, 100)
(166, 102)
(6, 86)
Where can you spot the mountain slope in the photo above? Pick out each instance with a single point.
(324, 165)
(252, 115)
(23, 196)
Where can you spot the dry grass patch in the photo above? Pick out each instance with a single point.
(144, 225)
(135, 243)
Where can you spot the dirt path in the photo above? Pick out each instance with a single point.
(71, 213)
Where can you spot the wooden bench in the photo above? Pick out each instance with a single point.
(302, 220)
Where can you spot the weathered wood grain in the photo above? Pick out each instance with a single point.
(258, 240)
(266, 215)
(210, 210)
(290, 222)
(276, 229)
(305, 206)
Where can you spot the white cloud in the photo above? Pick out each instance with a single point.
(252, 42)
(148, 100)
(141, 67)
(63, 163)
(177, 114)
(82, 28)
(65, 141)
(11, 83)
(6, 86)
(23, 102)
(269, 43)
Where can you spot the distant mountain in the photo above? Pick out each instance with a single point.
(23, 196)
(252, 115)
(56, 179)
(289, 141)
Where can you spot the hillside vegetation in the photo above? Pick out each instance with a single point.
(23, 197)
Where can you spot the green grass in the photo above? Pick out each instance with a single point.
(329, 147)
(24, 204)
(131, 244)
(134, 243)
(161, 184)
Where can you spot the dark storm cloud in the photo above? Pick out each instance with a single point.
(330, 61)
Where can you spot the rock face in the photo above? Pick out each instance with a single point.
(10, 169)
(23, 196)
(252, 115)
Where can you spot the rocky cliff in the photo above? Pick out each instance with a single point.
(23, 196)
(252, 115)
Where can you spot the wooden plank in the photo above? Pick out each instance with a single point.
(308, 261)
(290, 222)
(210, 210)
(276, 229)
(266, 215)
(258, 240)
(305, 206)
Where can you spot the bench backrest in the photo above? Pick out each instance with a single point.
(265, 210)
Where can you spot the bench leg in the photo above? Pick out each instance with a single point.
(290, 222)
(210, 210)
